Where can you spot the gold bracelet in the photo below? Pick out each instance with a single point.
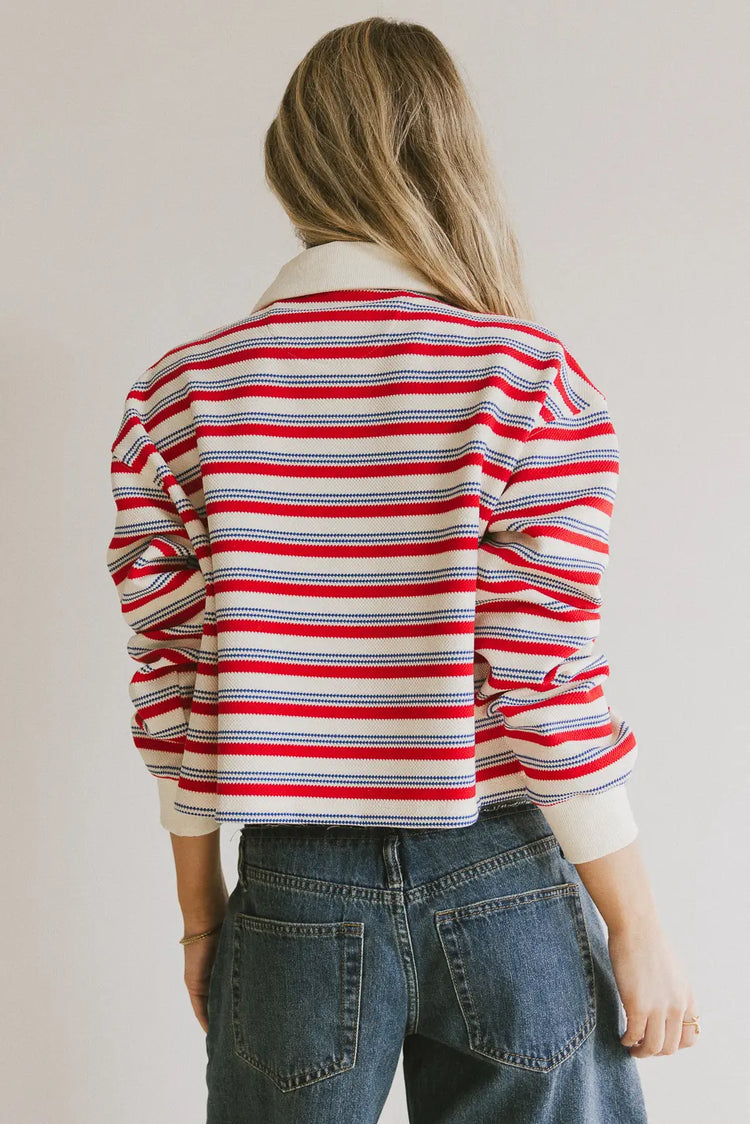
(200, 936)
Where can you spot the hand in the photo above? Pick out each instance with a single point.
(199, 960)
(655, 991)
(203, 899)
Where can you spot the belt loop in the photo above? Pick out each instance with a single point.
(241, 860)
(394, 876)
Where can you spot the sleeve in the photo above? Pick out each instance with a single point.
(156, 571)
(541, 561)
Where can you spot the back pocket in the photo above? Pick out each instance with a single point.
(296, 996)
(523, 974)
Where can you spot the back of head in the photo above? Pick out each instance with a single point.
(376, 139)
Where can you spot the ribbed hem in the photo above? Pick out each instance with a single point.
(180, 823)
(591, 826)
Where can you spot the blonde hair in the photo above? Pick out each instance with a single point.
(376, 139)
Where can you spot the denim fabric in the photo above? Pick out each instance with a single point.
(478, 950)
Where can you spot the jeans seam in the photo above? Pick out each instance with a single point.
(422, 893)
(401, 925)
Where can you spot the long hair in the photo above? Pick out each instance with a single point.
(376, 139)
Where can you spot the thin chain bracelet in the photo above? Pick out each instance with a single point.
(200, 936)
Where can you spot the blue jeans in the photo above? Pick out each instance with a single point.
(477, 949)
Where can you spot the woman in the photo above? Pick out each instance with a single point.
(319, 507)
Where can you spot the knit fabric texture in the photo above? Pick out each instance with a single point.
(359, 542)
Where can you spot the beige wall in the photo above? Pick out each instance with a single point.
(135, 216)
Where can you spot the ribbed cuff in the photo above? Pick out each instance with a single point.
(180, 823)
(591, 826)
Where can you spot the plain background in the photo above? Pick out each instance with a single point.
(136, 217)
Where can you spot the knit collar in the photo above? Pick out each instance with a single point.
(345, 265)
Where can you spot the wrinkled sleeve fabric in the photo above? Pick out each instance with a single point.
(155, 568)
(541, 561)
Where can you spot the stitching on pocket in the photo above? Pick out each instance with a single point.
(349, 936)
(448, 924)
(487, 866)
(507, 901)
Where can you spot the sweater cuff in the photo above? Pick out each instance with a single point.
(180, 823)
(591, 826)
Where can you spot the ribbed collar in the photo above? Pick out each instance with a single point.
(345, 265)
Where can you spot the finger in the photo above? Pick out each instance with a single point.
(200, 1006)
(690, 1032)
(672, 1032)
(653, 1038)
(635, 1030)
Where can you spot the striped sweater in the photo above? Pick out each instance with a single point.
(359, 540)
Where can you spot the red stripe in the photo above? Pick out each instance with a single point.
(585, 577)
(575, 468)
(343, 315)
(597, 502)
(503, 769)
(312, 550)
(144, 676)
(564, 534)
(340, 510)
(133, 604)
(375, 630)
(310, 589)
(467, 384)
(149, 745)
(163, 707)
(339, 710)
(580, 609)
(306, 470)
(531, 648)
(615, 754)
(332, 752)
(338, 792)
(355, 428)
